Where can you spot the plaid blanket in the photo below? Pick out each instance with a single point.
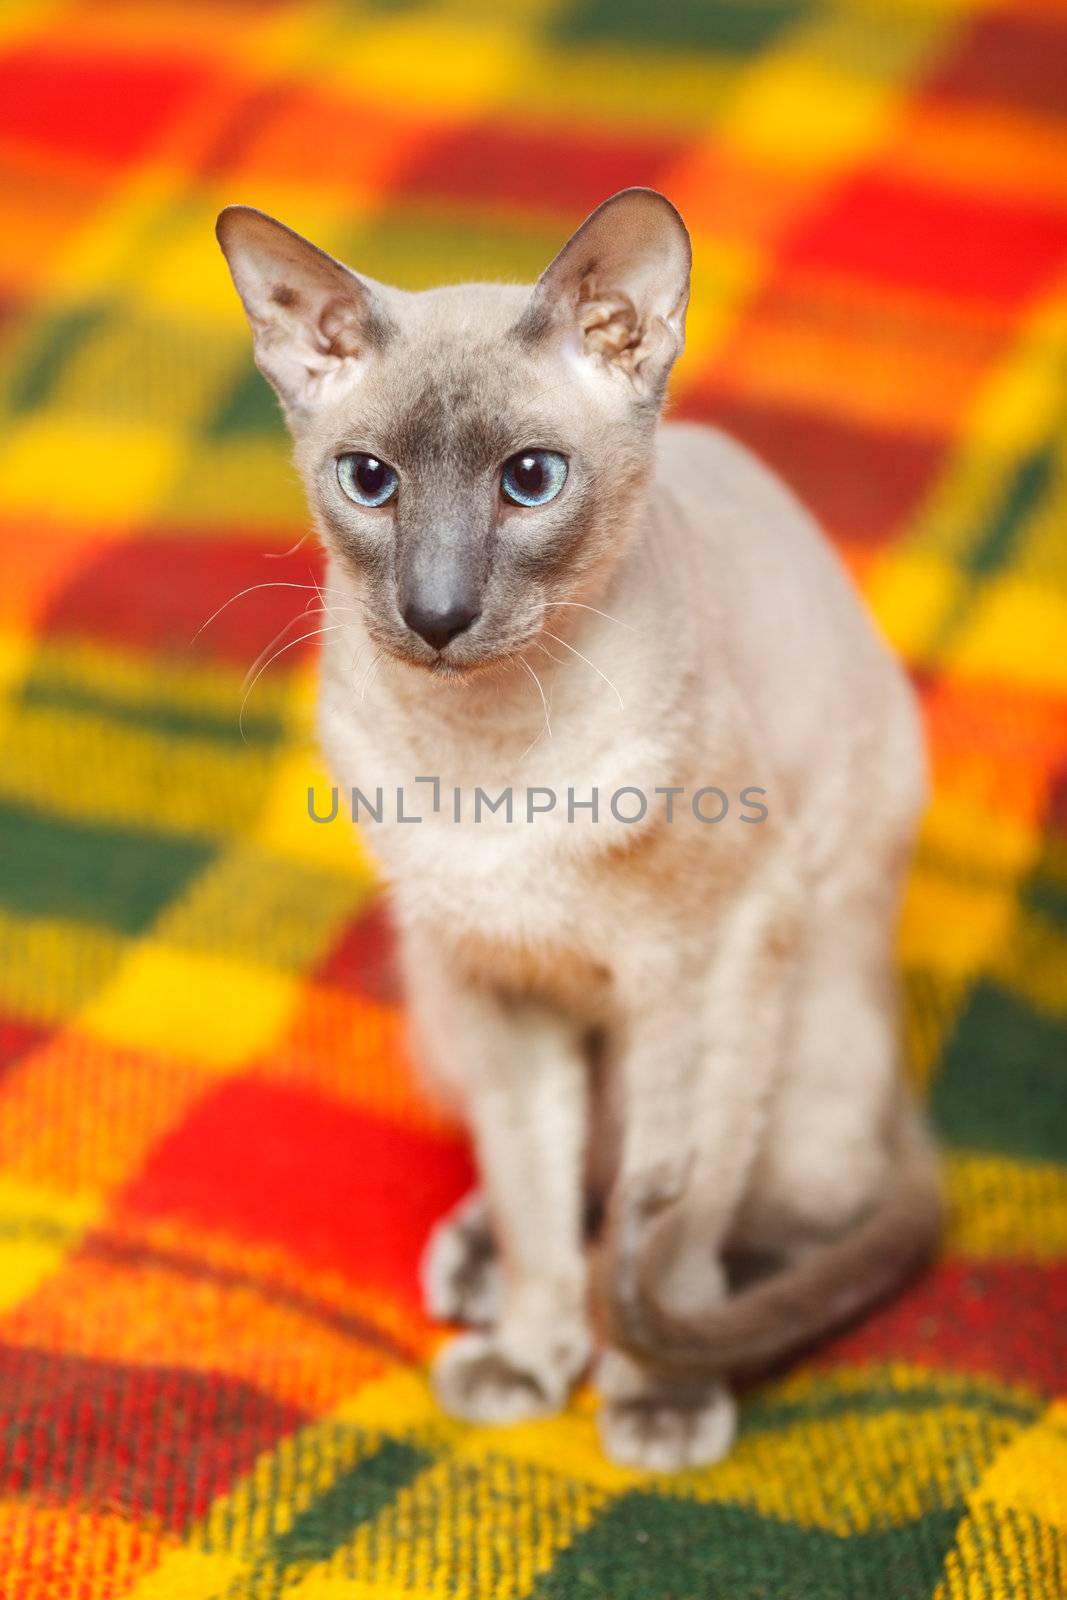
(215, 1168)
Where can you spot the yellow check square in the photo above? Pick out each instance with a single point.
(87, 469)
(198, 1006)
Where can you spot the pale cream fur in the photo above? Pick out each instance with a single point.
(737, 979)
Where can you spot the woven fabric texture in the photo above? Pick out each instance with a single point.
(216, 1170)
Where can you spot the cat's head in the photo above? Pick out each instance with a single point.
(474, 455)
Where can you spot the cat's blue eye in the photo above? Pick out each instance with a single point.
(366, 480)
(533, 477)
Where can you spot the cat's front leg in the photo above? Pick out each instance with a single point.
(460, 1267)
(523, 1076)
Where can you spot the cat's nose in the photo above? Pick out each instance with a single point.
(438, 624)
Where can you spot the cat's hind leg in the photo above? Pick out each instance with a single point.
(700, 1053)
(843, 1194)
(660, 1424)
(825, 1157)
(827, 1154)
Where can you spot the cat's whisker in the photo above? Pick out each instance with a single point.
(280, 555)
(314, 634)
(348, 611)
(319, 594)
(301, 616)
(579, 605)
(556, 661)
(596, 669)
(368, 675)
(357, 657)
(328, 610)
(278, 583)
(544, 701)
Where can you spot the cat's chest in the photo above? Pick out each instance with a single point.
(521, 882)
(514, 903)
(481, 853)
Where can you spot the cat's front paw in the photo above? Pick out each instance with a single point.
(479, 1377)
(662, 1429)
(460, 1268)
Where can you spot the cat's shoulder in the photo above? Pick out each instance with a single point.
(712, 465)
(710, 486)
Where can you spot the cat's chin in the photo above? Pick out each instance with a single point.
(444, 669)
(463, 671)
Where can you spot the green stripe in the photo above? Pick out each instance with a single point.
(1045, 891)
(738, 27)
(1030, 483)
(354, 1498)
(1002, 1084)
(995, 543)
(260, 727)
(651, 1547)
(51, 866)
(763, 1413)
(57, 339)
(249, 407)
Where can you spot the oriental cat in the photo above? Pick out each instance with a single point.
(672, 1033)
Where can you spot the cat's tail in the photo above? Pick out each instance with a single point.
(812, 1295)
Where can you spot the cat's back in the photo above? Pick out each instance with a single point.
(808, 658)
(740, 514)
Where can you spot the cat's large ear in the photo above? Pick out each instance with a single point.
(313, 321)
(619, 288)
